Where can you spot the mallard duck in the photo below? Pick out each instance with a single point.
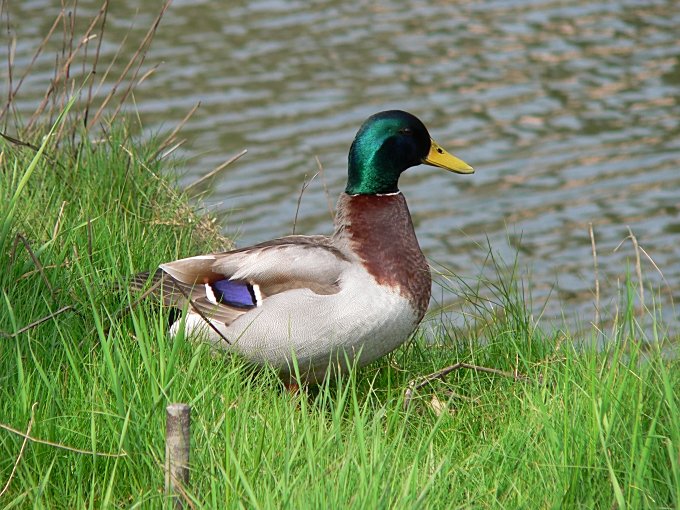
(322, 301)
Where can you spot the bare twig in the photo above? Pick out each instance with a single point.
(416, 384)
(305, 185)
(214, 172)
(21, 450)
(58, 445)
(597, 277)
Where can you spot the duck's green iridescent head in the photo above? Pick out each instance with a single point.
(387, 144)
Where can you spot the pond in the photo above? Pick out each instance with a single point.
(569, 112)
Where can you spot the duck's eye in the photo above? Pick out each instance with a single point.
(406, 131)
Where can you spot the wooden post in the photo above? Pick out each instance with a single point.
(177, 441)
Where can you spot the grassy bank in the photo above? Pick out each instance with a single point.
(591, 428)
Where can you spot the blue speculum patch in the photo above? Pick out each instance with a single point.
(234, 293)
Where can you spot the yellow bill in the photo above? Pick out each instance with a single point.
(442, 159)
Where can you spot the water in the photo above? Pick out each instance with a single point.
(569, 111)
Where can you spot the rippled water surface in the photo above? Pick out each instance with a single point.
(569, 111)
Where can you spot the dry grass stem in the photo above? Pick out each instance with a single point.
(103, 13)
(11, 48)
(28, 274)
(416, 384)
(597, 277)
(203, 226)
(57, 224)
(663, 278)
(61, 73)
(638, 266)
(31, 146)
(38, 322)
(217, 170)
(13, 92)
(89, 241)
(325, 187)
(305, 185)
(21, 450)
(171, 137)
(21, 239)
(141, 50)
(59, 445)
(172, 149)
(147, 74)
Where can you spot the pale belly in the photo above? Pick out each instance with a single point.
(358, 325)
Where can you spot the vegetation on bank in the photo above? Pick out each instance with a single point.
(86, 371)
(89, 376)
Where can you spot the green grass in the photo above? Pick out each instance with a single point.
(595, 427)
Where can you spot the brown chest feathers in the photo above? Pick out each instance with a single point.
(379, 230)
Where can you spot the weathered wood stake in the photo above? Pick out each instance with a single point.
(177, 440)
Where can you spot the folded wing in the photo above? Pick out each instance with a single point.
(224, 286)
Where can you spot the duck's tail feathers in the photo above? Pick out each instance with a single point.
(159, 284)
